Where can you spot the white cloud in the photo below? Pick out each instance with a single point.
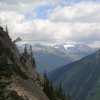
(77, 22)
(95, 44)
(24, 6)
(78, 12)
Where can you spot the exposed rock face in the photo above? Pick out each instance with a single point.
(27, 88)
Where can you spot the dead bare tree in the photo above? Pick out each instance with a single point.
(17, 40)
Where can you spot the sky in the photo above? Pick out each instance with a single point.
(52, 22)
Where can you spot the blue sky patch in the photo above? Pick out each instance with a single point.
(42, 11)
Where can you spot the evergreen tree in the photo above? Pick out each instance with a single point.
(60, 94)
(48, 89)
(52, 94)
(31, 54)
(69, 97)
(25, 56)
(32, 59)
(25, 49)
(5, 69)
(7, 29)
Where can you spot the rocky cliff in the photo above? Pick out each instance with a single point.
(18, 76)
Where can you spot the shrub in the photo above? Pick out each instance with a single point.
(14, 96)
(5, 69)
(3, 84)
(19, 72)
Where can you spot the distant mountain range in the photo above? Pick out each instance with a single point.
(81, 79)
(75, 48)
(49, 58)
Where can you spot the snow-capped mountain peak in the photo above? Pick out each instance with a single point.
(75, 48)
(66, 45)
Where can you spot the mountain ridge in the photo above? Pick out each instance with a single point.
(81, 78)
(76, 48)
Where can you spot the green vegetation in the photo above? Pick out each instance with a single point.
(7, 68)
(68, 97)
(27, 57)
(81, 79)
(3, 84)
(32, 59)
(60, 94)
(14, 96)
(52, 94)
(10, 95)
(10, 65)
(19, 72)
